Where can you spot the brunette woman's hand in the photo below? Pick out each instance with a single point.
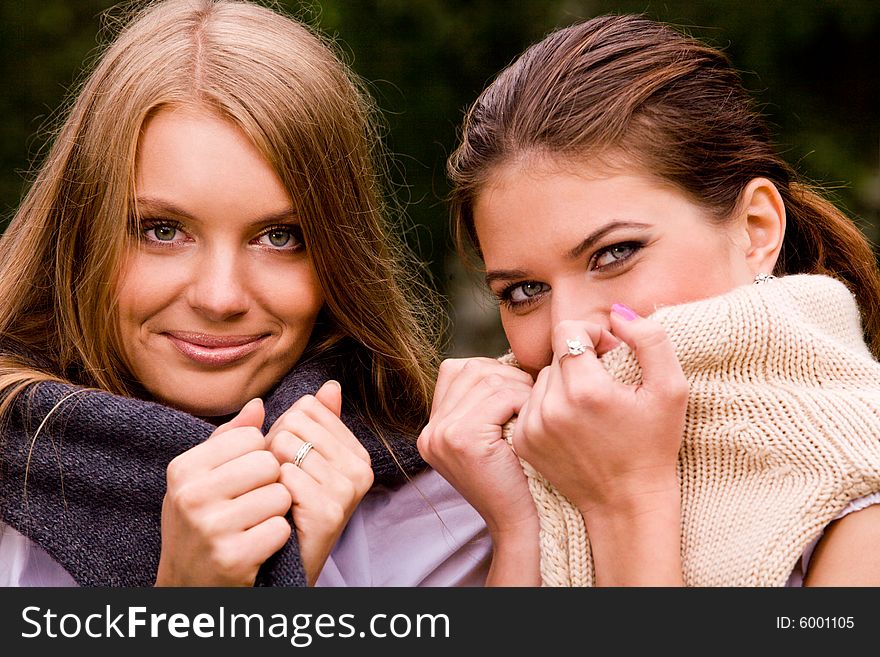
(474, 398)
(611, 448)
(332, 476)
(223, 512)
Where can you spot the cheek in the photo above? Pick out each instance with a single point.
(676, 277)
(145, 285)
(529, 339)
(295, 297)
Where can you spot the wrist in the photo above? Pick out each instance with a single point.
(516, 557)
(637, 540)
(514, 529)
(634, 495)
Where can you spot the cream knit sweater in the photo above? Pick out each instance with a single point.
(782, 432)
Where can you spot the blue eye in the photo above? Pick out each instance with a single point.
(614, 254)
(527, 291)
(520, 295)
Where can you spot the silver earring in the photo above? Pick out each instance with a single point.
(760, 279)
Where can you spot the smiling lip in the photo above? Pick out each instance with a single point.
(214, 350)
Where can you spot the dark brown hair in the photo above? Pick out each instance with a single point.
(631, 89)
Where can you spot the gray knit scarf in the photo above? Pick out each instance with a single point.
(89, 489)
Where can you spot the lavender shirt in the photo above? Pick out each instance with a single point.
(422, 533)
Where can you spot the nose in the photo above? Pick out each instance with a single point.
(218, 285)
(574, 302)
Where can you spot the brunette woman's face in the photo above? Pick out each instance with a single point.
(218, 297)
(566, 243)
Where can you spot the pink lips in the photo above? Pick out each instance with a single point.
(214, 350)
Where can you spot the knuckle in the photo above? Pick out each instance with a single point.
(423, 442)
(280, 495)
(292, 418)
(552, 414)
(249, 437)
(363, 479)
(579, 394)
(651, 334)
(474, 365)
(304, 403)
(266, 463)
(450, 366)
(225, 558)
(678, 390)
(361, 452)
(334, 512)
(453, 437)
(186, 498)
(278, 526)
(176, 470)
(494, 381)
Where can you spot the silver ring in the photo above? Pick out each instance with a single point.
(576, 347)
(301, 455)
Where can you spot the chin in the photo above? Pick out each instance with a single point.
(206, 407)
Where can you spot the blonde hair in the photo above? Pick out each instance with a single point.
(284, 87)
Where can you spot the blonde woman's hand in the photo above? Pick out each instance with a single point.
(223, 512)
(611, 448)
(473, 400)
(332, 477)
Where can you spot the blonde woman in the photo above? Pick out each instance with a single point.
(676, 423)
(201, 283)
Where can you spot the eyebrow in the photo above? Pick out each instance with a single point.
(591, 239)
(158, 205)
(573, 254)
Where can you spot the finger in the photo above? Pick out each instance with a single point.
(330, 394)
(243, 474)
(251, 414)
(534, 402)
(323, 461)
(255, 506)
(651, 346)
(470, 380)
(301, 486)
(575, 361)
(306, 491)
(574, 339)
(446, 376)
(494, 408)
(309, 409)
(212, 453)
(267, 537)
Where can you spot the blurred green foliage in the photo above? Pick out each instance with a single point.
(809, 63)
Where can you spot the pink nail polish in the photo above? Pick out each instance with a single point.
(627, 313)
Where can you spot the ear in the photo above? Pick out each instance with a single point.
(762, 219)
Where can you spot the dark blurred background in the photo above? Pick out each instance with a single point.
(808, 62)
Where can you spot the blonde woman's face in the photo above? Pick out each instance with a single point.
(565, 245)
(218, 297)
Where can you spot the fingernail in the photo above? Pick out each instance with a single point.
(335, 383)
(624, 311)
